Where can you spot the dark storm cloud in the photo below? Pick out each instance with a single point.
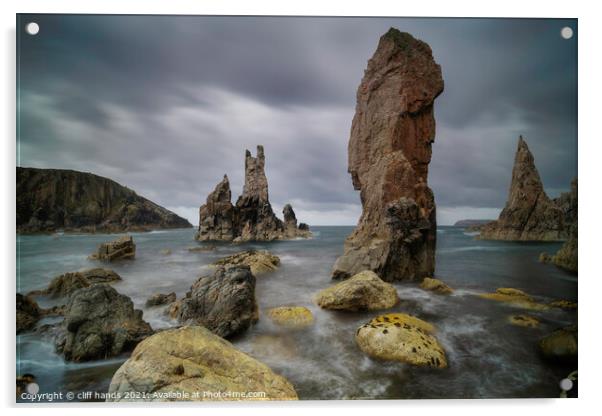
(167, 105)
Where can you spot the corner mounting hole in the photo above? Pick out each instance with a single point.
(32, 28)
(566, 32)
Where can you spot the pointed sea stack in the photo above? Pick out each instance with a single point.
(252, 218)
(389, 153)
(529, 215)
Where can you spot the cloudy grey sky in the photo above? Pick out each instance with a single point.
(167, 104)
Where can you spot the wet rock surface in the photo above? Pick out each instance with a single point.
(122, 248)
(192, 360)
(389, 153)
(159, 299)
(259, 261)
(293, 317)
(436, 285)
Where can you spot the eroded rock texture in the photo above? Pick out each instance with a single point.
(52, 199)
(252, 218)
(389, 153)
(529, 215)
(223, 302)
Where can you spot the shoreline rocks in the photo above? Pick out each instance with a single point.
(100, 323)
(436, 285)
(364, 291)
(159, 299)
(529, 215)
(51, 200)
(560, 345)
(122, 248)
(259, 261)
(293, 317)
(192, 360)
(67, 283)
(403, 338)
(389, 153)
(28, 313)
(252, 218)
(223, 302)
(514, 297)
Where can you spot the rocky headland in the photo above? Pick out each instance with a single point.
(50, 200)
(389, 153)
(252, 218)
(529, 214)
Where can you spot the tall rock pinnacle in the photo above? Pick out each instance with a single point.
(529, 215)
(252, 218)
(389, 153)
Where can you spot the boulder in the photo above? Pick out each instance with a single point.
(223, 302)
(436, 285)
(514, 297)
(529, 215)
(252, 218)
(192, 364)
(259, 261)
(389, 153)
(159, 299)
(293, 317)
(364, 291)
(563, 304)
(560, 345)
(122, 248)
(100, 323)
(524, 320)
(67, 283)
(28, 313)
(403, 338)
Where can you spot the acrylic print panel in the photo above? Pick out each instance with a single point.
(282, 208)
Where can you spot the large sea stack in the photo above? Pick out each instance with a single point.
(52, 199)
(389, 153)
(252, 218)
(529, 214)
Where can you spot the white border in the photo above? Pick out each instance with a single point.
(590, 151)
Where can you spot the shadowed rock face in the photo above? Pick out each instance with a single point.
(53, 199)
(529, 215)
(389, 153)
(252, 218)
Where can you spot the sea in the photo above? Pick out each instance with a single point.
(488, 357)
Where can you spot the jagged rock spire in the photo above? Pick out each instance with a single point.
(389, 153)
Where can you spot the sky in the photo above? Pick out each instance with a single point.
(166, 105)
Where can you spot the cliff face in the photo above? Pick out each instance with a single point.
(50, 199)
(389, 153)
(252, 218)
(529, 215)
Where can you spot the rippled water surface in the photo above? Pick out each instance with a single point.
(487, 356)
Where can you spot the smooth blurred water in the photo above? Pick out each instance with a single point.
(487, 356)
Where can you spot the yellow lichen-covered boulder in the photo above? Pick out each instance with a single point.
(291, 316)
(524, 320)
(260, 261)
(193, 364)
(364, 291)
(563, 304)
(401, 337)
(515, 297)
(561, 345)
(436, 285)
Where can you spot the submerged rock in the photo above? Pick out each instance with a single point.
(563, 304)
(529, 215)
(122, 248)
(401, 337)
(291, 316)
(223, 302)
(436, 285)
(252, 218)
(159, 299)
(194, 362)
(259, 261)
(514, 297)
(67, 283)
(524, 320)
(100, 323)
(389, 153)
(28, 313)
(201, 249)
(560, 345)
(165, 252)
(364, 291)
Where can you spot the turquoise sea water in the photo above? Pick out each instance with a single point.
(487, 356)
